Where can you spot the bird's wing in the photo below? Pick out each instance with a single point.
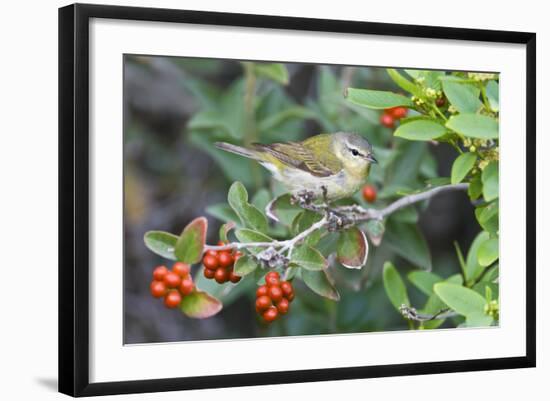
(300, 155)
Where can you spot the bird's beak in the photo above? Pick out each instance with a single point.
(370, 157)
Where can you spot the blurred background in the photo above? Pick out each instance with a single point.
(175, 108)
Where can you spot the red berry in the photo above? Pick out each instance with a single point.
(262, 303)
(237, 255)
(275, 293)
(369, 193)
(397, 112)
(158, 289)
(262, 290)
(225, 259)
(233, 277)
(160, 272)
(221, 275)
(210, 262)
(186, 286)
(209, 273)
(282, 306)
(290, 297)
(440, 101)
(211, 253)
(181, 269)
(287, 288)
(272, 278)
(221, 243)
(172, 299)
(387, 121)
(172, 280)
(270, 314)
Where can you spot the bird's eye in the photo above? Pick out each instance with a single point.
(355, 152)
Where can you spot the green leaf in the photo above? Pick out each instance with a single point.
(473, 268)
(424, 281)
(305, 220)
(487, 217)
(281, 210)
(275, 71)
(420, 130)
(487, 253)
(407, 241)
(376, 99)
(489, 178)
(462, 166)
(245, 265)
(464, 97)
(352, 248)
(407, 214)
(200, 305)
(161, 243)
(478, 320)
(308, 257)
(491, 91)
(474, 126)
(190, 244)
(261, 199)
(245, 236)
(319, 283)
(475, 188)
(395, 287)
(403, 82)
(223, 212)
(375, 231)
(461, 299)
(249, 215)
(224, 230)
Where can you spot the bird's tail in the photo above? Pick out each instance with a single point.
(239, 150)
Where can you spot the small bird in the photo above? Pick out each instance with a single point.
(327, 166)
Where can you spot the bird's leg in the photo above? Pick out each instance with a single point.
(338, 221)
(305, 199)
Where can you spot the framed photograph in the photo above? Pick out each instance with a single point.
(251, 199)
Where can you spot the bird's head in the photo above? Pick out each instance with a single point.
(354, 151)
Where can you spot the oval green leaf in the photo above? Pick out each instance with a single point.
(200, 305)
(190, 244)
(245, 265)
(319, 283)
(462, 166)
(420, 130)
(308, 257)
(461, 299)
(249, 215)
(161, 243)
(463, 96)
(490, 180)
(403, 82)
(424, 281)
(395, 287)
(474, 126)
(376, 99)
(487, 253)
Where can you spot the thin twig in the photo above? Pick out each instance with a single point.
(411, 313)
(334, 219)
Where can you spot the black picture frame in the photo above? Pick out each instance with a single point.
(74, 194)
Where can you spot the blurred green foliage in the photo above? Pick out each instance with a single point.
(458, 110)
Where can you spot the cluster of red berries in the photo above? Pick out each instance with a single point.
(369, 193)
(218, 265)
(388, 117)
(273, 298)
(173, 284)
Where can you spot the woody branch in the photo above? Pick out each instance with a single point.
(336, 218)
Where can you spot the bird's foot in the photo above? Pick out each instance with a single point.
(338, 221)
(305, 199)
